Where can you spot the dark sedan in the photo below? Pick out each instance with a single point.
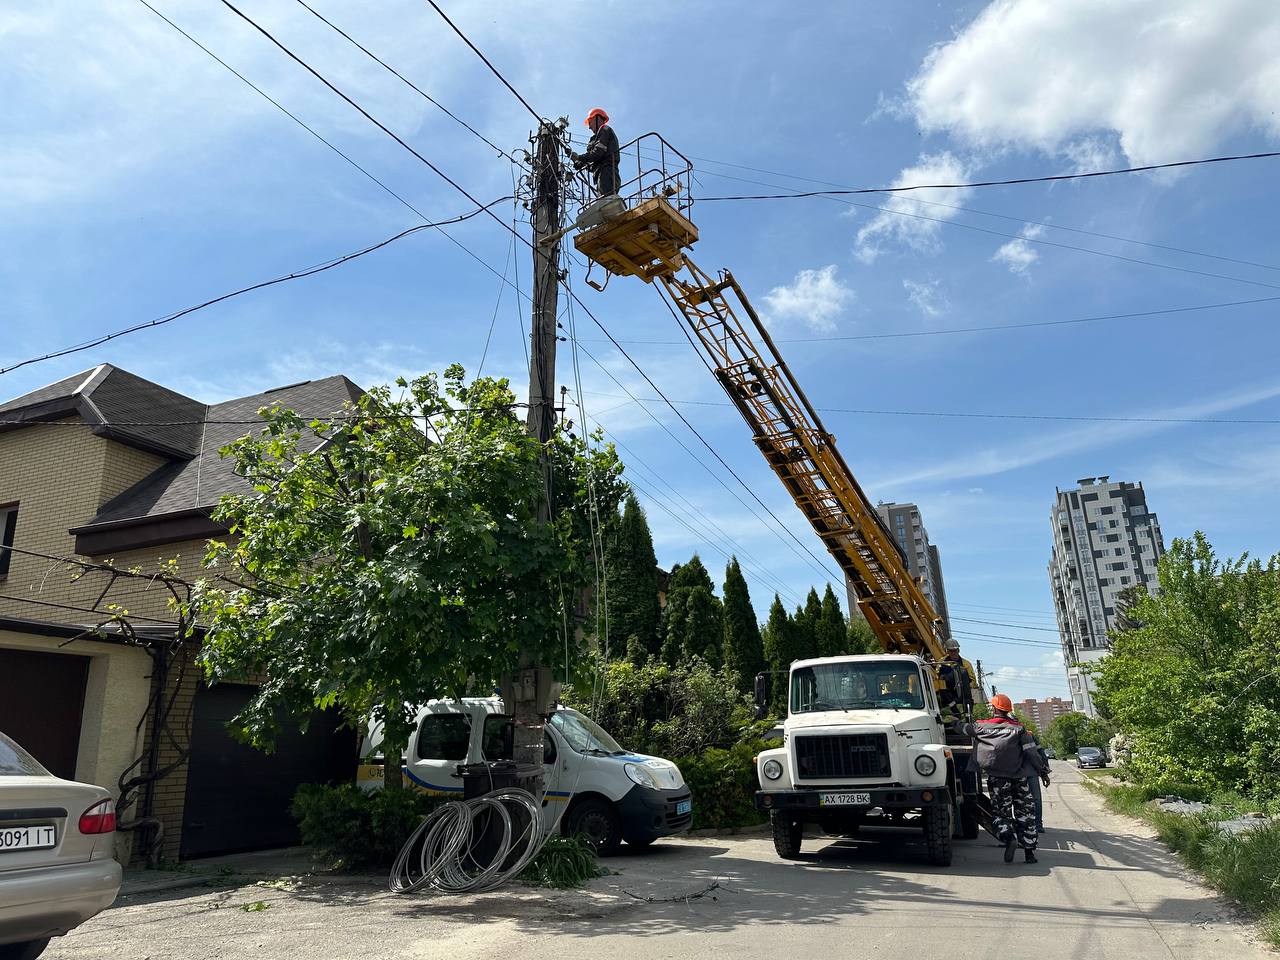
(1090, 758)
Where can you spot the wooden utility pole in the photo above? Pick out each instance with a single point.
(530, 690)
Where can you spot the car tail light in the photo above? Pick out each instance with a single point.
(100, 818)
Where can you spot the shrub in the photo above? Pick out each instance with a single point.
(352, 828)
(723, 783)
(563, 862)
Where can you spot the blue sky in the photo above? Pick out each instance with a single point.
(138, 176)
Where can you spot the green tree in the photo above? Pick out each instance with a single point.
(779, 651)
(743, 647)
(383, 566)
(861, 638)
(832, 631)
(693, 624)
(632, 581)
(1195, 682)
(806, 628)
(1071, 731)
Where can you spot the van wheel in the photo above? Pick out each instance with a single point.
(595, 820)
(937, 835)
(788, 835)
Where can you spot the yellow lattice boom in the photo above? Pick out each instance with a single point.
(650, 241)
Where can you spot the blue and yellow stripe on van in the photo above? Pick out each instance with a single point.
(370, 775)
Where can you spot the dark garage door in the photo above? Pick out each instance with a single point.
(238, 797)
(42, 704)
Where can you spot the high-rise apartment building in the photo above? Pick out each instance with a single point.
(1104, 542)
(1043, 712)
(903, 521)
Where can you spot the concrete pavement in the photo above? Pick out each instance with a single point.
(1103, 889)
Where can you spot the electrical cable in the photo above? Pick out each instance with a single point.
(999, 623)
(258, 90)
(487, 63)
(978, 416)
(298, 275)
(998, 183)
(405, 80)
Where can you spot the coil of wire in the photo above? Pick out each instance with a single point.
(441, 854)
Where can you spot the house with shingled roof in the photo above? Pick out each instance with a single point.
(106, 468)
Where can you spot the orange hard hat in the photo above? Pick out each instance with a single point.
(596, 112)
(1002, 703)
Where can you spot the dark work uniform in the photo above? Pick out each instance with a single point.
(1005, 752)
(601, 158)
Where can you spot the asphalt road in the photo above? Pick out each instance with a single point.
(1103, 889)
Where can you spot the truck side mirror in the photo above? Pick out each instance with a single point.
(762, 695)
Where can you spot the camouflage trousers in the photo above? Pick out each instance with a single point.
(1013, 810)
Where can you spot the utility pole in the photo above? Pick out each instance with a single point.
(531, 689)
(982, 684)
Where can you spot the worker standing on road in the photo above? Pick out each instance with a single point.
(1033, 783)
(602, 155)
(1007, 754)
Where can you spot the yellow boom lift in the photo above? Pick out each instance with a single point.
(650, 239)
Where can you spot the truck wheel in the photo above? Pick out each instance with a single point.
(597, 822)
(937, 835)
(787, 836)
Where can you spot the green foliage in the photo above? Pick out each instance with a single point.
(1071, 731)
(743, 648)
(723, 783)
(805, 628)
(693, 624)
(353, 828)
(779, 651)
(383, 565)
(831, 630)
(1195, 681)
(632, 580)
(861, 637)
(562, 863)
(668, 711)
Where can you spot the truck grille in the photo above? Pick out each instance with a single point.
(842, 755)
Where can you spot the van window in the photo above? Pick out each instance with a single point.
(444, 736)
(498, 740)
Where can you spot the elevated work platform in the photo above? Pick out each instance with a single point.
(646, 241)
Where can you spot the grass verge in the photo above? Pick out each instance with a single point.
(1244, 866)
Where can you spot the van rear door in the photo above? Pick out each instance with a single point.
(441, 742)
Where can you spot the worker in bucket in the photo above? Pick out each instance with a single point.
(602, 156)
(1007, 754)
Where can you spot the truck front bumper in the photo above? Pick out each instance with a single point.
(886, 798)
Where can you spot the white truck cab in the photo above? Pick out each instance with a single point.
(863, 743)
(592, 785)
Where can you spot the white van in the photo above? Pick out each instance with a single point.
(593, 785)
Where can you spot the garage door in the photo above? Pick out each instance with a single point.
(238, 797)
(42, 705)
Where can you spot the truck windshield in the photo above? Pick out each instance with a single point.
(583, 735)
(856, 685)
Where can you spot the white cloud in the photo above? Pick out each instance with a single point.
(1018, 255)
(1047, 445)
(815, 298)
(1165, 79)
(906, 224)
(927, 296)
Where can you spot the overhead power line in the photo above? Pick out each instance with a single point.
(476, 50)
(1000, 623)
(977, 416)
(995, 183)
(312, 271)
(396, 73)
(992, 328)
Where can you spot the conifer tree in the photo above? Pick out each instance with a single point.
(693, 625)
(832, 631)
(743, 648)
(631, 576)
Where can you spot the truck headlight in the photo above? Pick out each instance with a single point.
(640, 775)
(925, 765)
(772, 769)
